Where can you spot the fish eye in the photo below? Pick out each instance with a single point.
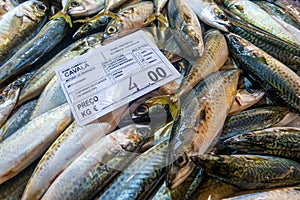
(167, 107)
(222, 16)
(87, 27)
(111, 30)
(75, 4)
(143, 132)
(142, 109)
(128, 147)
(181, 160)
(41, 7)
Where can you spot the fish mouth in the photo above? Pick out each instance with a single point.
(224, 26)
(174, 179)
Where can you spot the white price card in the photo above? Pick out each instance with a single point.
(112, 75)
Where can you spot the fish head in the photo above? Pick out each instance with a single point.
(241, 46)
(112, 31)
(245, 142)
(34, 10)
(193, 35)
(180, 166)
(79, 8)
(216, 17)
(84, 30)
(9, 95)
(133, 136)
(40, 9)
(237, 44)
(179, 170)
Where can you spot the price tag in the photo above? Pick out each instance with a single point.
(112, 75)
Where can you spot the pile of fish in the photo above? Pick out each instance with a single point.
(229, 127)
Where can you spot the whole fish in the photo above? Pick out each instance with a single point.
(51, 97)
(210, 13)
(51, 34)
(282, 193)
(140, 175)
(273, 76)
(118, 143)
(282, 51)
(278, 12)
(250, 171)
(245, 99)
(202, 115)
(186, 28)
(68, 146)
(29, 142)
(253, 14)
(214, 56)
(131, 18)
(13, 188)
(20, 25)
(278, 141)
(36, 84)
(17, 120)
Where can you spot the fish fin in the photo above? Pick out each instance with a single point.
(150, 19)
(172, 101)
(16, 23)
(261, 58)
(162, 19)
(63, 15)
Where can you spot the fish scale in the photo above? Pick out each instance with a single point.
(282, 193)
(253, 119)
(20, 25)
(279, 141)
(202, 115)
(250, 171)
(214, 56)
(277, 79)
(32, 140)
(139, 176)
(252, 13)
(116, 144)
(286, 54)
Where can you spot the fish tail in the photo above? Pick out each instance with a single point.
(171, 100)
(63, 15)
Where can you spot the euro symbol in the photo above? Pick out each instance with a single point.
(95, 108)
